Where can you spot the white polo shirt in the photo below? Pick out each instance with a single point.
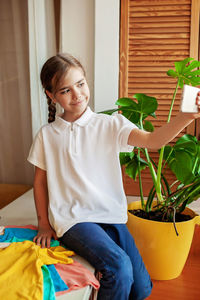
(83, 169)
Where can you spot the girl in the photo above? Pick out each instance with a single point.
(78, 188)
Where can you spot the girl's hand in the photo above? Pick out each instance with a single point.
(198, 104)
(192, 116)
(44, 236)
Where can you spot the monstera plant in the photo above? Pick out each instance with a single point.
(162, 226)
(183, 158)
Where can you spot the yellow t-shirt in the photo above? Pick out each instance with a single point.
(20, 269)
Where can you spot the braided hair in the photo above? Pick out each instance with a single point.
(54, 69)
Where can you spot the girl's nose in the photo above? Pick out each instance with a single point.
(76, 94)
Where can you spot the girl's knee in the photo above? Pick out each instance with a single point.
(117, 279)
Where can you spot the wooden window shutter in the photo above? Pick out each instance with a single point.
(153, 35)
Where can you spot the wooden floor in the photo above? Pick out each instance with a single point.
(187, 285)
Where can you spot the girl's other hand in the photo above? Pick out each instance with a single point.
(44, 236)
(197, 115)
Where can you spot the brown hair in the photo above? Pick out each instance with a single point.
(54, 69)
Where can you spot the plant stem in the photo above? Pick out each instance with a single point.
(140, 181)
(196, 160)
(166, 160)
(191, 194)
(158, 185)
(151, 168)
(172, 103)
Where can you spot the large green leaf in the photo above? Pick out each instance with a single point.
(146, 104)
(186, 72)
(132, 169)
(131, 114)
(148, 126)
(188, 143)
(134, 166)
(124, 102)
(186, 138)
(108, 112)
(125, 157)
(189, 147)
(194, 64)
(184, 158)
(180, 65)
(132, 110)
(182, 165)
(194, 73)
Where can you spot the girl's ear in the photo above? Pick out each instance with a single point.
(51, 96)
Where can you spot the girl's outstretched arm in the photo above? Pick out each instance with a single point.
(164, 134)
(45, 231)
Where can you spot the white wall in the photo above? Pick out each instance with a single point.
(106, 64)
(90, 31)
(77, 35)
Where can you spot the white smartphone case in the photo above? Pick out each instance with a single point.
(188, 103)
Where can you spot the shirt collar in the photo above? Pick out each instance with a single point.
(59, 124)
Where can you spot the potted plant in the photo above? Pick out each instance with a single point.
(166, 245)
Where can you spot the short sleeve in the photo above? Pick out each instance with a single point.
(36, 154)
(124, 128)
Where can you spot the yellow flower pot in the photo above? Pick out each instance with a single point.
(163, 252)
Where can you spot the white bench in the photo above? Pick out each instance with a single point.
(22, 212)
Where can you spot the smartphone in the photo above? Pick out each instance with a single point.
(188, 103)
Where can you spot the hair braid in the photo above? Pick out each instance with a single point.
(51, 109)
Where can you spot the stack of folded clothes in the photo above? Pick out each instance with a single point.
(28, 271)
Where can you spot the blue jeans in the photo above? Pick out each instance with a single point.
(111, 249)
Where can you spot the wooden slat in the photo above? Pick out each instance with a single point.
(150, 85)
(165, 24)
(168, 20)
(158, 53)
(166, 41)
(167, 64)
(139, 3)
(145, 74)
(159, 47)
(148, 68)
(150, 80)
(150, 90)
(157, 59)
(163, 13)
(156, 36)
(159, 30)
(151, 7)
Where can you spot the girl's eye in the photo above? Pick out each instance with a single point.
(81, 84)
(65, 91)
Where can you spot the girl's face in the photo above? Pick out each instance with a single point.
(72, 94)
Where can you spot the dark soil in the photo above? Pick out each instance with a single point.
(158, 216)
